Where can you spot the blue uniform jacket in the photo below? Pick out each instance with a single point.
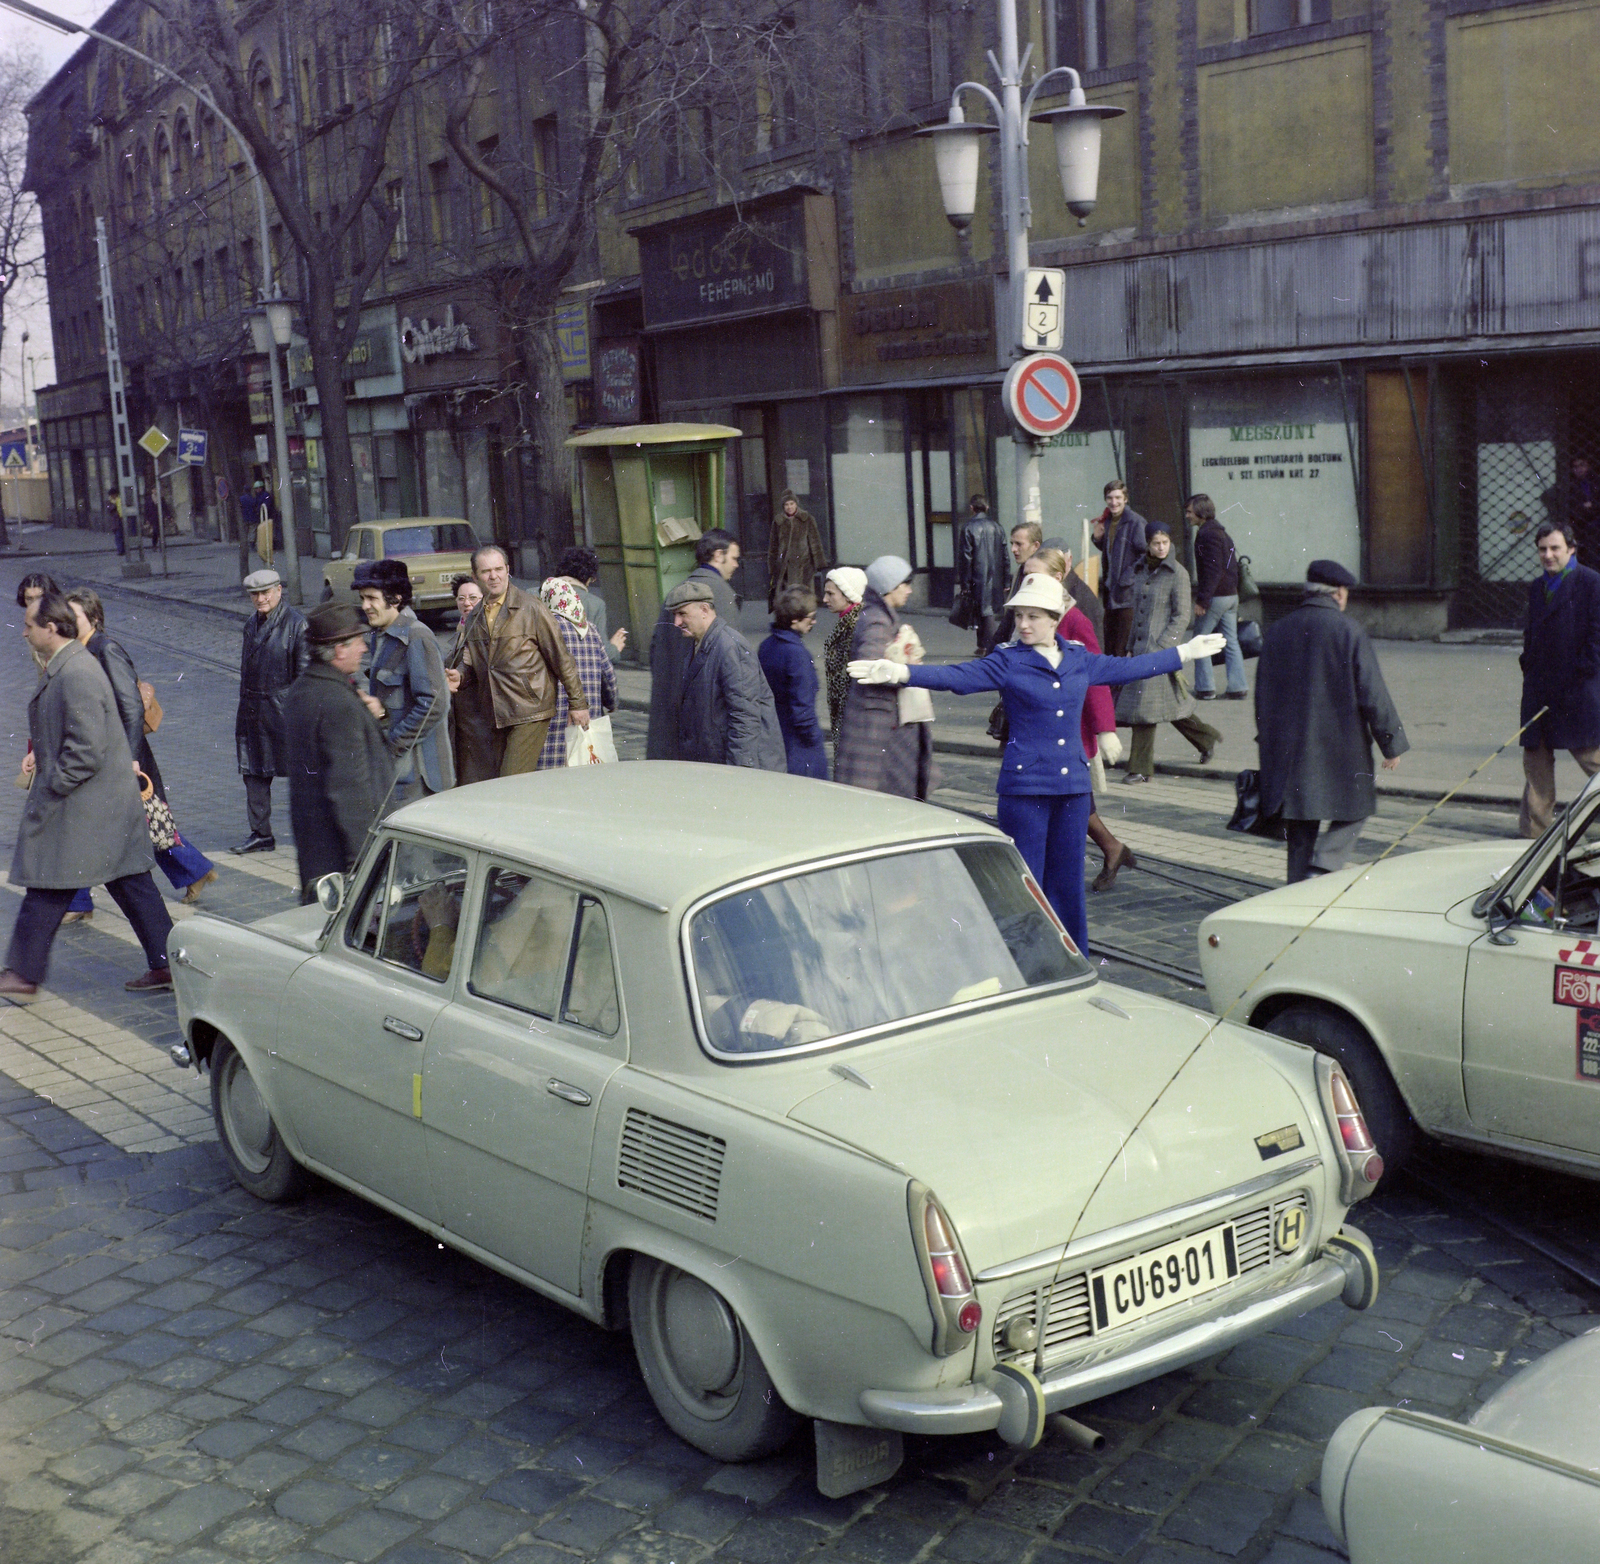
(1043, 706)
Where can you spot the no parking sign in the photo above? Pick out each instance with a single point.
(1042, 394)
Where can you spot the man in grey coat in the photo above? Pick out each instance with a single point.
(406, 688)
(726, 714)
(83, 823)
(1321, 703)
(716, 558)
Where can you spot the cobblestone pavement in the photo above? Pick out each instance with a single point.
(187, 1374)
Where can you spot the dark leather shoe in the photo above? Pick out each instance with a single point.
(1121, 859)
(1208, 752)
(1237, 695)
(18, 990)
(156, 981)
(1205, 695)
(258, 844)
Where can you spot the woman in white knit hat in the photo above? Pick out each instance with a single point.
(1044, 791)
(842, 591)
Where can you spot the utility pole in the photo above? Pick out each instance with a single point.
(127, 492)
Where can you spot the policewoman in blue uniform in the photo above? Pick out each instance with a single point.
(1044, 796)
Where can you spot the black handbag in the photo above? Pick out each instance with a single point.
(1249, 639)
(1247, 816)
(960, 614)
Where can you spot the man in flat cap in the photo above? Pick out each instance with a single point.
(276, 653)
(339, 765)
(726, 715)
(1321, 703)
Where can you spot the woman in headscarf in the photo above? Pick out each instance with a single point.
(1100, 741)
(1161, 615)
(560, 595)
(842, 592)
(1044, 798)
(189, 870)
(878, 748)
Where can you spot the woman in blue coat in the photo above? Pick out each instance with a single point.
(793, 678)
(1044, 795)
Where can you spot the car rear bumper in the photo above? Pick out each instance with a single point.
(968, 1409)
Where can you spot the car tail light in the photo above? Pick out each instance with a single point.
(952, 1299)
(1360, 1164)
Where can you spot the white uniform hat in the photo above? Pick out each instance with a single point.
(1040, 591)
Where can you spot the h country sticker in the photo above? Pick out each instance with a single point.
(1578, 987)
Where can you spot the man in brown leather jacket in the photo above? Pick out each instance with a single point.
(511, 662)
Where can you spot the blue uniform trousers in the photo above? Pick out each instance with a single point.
(1049, 830)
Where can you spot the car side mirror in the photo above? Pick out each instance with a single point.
(330, 893)
(337, 554)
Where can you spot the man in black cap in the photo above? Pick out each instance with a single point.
(726, 714)
(1320, 704)
(339, 765)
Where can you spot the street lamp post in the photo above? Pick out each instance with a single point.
(270, 297)
(271, 327)
(958, 145)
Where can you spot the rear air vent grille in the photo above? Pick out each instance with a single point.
(672, 1163)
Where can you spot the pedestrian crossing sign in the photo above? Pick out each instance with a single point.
(13, 458)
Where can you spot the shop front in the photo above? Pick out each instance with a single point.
(75, 425)
(740, 327)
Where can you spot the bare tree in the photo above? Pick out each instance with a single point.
(21, 238)
(321, 141)
(695, 86)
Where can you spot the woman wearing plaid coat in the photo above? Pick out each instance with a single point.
(560, 595)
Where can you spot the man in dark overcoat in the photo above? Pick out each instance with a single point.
(1321, 704)
(982, 567)
(1119, 534)
(339, 765)
(275, 655)
(83, 823)
(716, 558)
(726, 715)
(1560, 671)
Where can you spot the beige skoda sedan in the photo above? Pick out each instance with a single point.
(1459, 988)
(803, 1086)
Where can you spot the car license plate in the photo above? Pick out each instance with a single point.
(445, 577)
(1159, 1278)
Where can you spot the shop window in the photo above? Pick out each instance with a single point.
(867, 460)
(1276, 16)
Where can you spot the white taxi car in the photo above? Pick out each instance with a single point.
(1458, 987)
(802, 1084)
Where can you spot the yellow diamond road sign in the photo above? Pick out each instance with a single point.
(153, 441)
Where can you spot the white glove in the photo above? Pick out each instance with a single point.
(877, 670)
(1110, 748)
(1202, 646)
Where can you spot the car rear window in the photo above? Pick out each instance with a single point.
(803, 961)
(451, 537)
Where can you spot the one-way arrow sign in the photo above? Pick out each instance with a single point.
(1041, 314)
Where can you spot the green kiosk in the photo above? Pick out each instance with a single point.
(647, 493)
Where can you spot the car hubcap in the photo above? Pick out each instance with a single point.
(700, 1334)
(245, 1117)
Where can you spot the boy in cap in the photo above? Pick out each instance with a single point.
(1320, 704)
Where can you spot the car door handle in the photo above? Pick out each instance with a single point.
(402, 1029)
(573, 1094)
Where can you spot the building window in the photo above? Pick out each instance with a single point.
(200, 310)
(400, 241)
(439, 201)
(1276, 16)
(545, 145)
(224, 283)
(486, 206)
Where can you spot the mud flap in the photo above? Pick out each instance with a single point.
(1353, 1250)
(850, 1458)
(1022, 1401)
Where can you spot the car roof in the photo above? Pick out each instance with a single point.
(659, 832)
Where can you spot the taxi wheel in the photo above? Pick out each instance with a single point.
(1336, 1035)
(255, 1152)
(701, 1368)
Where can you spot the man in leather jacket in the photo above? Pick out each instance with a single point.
(276, 653)
(982, 569)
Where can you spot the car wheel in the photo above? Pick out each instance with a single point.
(1390, 1121)
(701, 1368)
(250, 1140)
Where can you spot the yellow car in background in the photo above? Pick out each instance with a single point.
(435, 550)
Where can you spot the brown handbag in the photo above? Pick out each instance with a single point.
(152, 707)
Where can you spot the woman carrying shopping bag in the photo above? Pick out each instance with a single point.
(560, 595)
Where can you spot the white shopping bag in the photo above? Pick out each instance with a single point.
(591, 746)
